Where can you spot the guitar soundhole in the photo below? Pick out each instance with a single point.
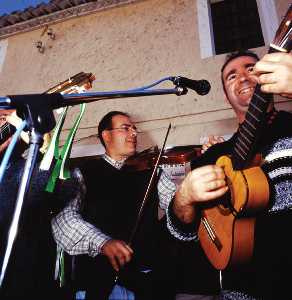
(226, 205)
(226, 200)
(223, 203)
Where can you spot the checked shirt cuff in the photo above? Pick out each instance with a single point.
(181, 231)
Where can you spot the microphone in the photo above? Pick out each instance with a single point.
(202, 87)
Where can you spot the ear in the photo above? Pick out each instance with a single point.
(225, 97)
(106, 136)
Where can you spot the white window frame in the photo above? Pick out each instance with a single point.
(268, 18)
(3, 51)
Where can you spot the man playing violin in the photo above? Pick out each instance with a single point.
(98, 229)
(264, 277)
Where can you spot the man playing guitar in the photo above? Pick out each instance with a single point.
(264, 274)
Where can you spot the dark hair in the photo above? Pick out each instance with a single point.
(106, 122)
(233, 55)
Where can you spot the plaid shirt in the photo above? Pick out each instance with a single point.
(76, 236)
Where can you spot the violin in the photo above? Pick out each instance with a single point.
(175, 155)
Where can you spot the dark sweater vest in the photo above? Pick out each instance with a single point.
(30, 272)
(113, 201)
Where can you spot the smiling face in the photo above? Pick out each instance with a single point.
(239, 84)
(121, 139)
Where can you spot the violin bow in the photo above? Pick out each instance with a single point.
(146, 195)
(148, 188)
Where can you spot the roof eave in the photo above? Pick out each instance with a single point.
(60, 16)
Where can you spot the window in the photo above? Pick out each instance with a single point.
(226, 25)
(236, 25)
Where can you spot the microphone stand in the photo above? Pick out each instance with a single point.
(56, 100)
(37, 110)
(36, 141)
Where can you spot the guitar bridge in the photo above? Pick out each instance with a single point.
(211, 233)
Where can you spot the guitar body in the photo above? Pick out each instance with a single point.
(226, 231)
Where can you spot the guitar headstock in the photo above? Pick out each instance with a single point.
(75, 84)
(282, 41)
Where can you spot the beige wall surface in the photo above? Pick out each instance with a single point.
(128, 47)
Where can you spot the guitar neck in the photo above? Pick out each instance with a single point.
(250, 130)
(81, 80)
(6, 131)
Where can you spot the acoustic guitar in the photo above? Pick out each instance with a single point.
(226, 230)
(75, 84)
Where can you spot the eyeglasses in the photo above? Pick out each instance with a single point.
(126, 128)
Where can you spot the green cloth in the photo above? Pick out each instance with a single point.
(61, 170)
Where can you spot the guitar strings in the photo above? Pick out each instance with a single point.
(5, 129)
(5, 126)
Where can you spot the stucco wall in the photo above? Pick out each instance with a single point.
(127, 47)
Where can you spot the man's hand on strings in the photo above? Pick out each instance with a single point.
(275, 73)
(200, 185)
